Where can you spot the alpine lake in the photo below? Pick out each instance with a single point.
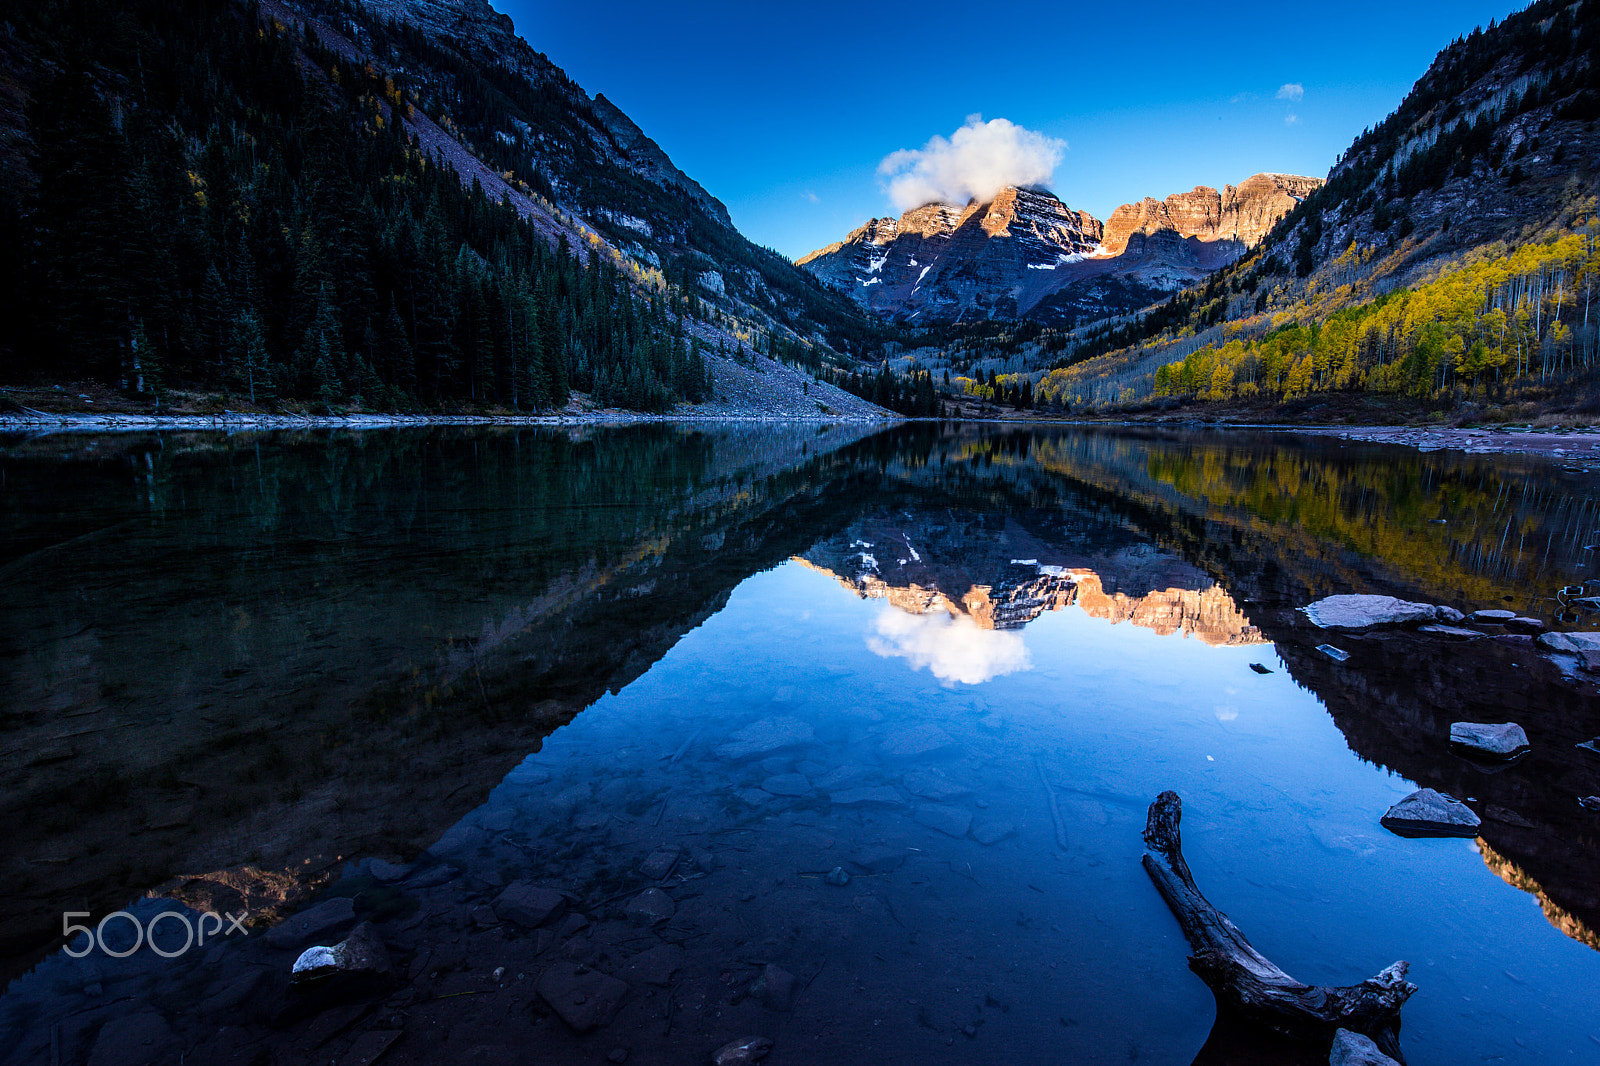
(623, 744)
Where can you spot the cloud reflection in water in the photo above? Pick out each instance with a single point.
(954, 649)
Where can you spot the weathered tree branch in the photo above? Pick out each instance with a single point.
(1248, 982)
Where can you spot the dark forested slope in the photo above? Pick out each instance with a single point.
(351, 207)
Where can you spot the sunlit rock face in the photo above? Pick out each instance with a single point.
(1025, 254)
(1242, 214)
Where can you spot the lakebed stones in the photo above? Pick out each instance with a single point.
(786, 785)
(1496, 741)
(650, 907)
(385, 871)
(876, 859)
(951, 821)
(659, 863)
(585, 999)
(774, 989)
(742, 1052)
(1353, 1049)
(1450, 632)
(914, 741)
(767, 736)
(932, 785)
(357, 965)
(135, 1038)
(654, 966)
(528, 904)
(324, 922)
(1354, 611)
(1427, 812)
(867, 795)
(990, 833)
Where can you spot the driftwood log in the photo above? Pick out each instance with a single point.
(1245, 981)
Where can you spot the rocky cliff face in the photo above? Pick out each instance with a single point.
(1026, 254)
(1242, 213)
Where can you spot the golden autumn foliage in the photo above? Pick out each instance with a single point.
(1521, 314)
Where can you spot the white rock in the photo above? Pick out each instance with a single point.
(1569, 643)
(1502, 740)
(1429, 813)
(1365, 612)
(1353, 1049)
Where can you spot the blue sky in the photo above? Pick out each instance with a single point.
(784, 111)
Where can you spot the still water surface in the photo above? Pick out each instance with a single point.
(956, 664)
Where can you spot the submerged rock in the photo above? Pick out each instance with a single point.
(765, 736)
(528, 904)
(134, 1039)
(931, 784)
(843, 775)
(837, 877)
(359, 963)
(1450, 632)
(742, 1052)
(324, 922)
(655, 966)
(774, 989)
(858, 797)
(659, 863)
(1427, 812)
(650, 907)
(915, 740)
(1500, 741)
(586, 999)
(1353, 1049)
(951, 821)
(387, 872)
(992, 832)
(1338, 655)
(786, 785)
(1449, 615)
(879, 860)
(1366, 612)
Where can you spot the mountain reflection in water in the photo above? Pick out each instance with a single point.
(236, 664)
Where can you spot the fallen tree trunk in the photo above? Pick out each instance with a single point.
(1246, 981)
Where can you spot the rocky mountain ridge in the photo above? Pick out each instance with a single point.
(1025, 254)
(1493, 151)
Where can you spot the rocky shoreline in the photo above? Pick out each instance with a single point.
(1578, 444)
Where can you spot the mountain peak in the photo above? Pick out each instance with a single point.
(1242, 213)
(1019, 253)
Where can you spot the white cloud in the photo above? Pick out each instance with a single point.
(1290, 120)
(953, 649)
(977, 161)
(1293, 91)
(813, 197)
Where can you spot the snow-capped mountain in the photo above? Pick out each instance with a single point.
(1025, 254)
